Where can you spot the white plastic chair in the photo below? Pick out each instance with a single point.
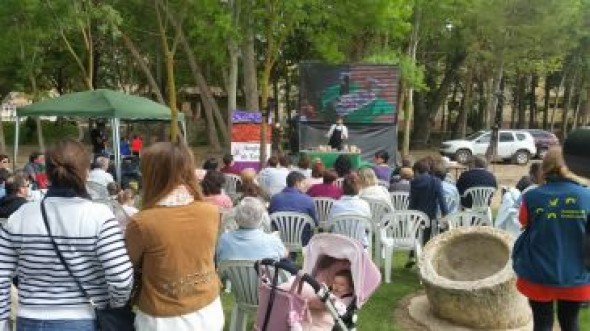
(378, 210)
(480, 199)
(384, 183)
(400, 200)
(228, 221)
(453, 202)
(402, 230)
(290, 226)
(339, 182)
(322, 208)
(466, 218)
(97, 191)
(353, 226)
(244, 286)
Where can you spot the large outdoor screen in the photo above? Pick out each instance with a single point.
(361, 93)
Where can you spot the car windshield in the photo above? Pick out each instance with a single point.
(474, 136)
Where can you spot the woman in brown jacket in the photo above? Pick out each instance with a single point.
(171, 243)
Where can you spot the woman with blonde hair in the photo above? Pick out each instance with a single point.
(171, 243)
(370, 188)
(548, 257)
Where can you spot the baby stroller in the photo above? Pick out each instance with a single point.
(285, 306)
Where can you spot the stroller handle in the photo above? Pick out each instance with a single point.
(290, 268)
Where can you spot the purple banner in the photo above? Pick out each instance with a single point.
(240, 116)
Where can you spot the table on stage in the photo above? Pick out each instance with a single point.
(328, 158)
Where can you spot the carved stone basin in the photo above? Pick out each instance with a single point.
(468, 277)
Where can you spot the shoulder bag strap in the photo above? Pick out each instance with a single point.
(58, 253)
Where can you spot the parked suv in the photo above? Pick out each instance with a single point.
(516, 145)
(543, 140)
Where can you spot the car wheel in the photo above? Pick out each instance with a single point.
(522, 157)
(463, 155)
(541, 153)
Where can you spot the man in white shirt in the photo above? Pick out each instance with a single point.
(273, 179)
(99, 174)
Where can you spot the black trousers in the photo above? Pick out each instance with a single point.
(567, 315)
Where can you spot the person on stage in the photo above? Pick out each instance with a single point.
(337, 134)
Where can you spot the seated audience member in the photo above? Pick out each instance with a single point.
(370, 188)
(317, 174)
(249, 187)
(532, 180)
(448, 189)
(343, 165)
(407, 163)
(476, 176)
(303, 166)
(99, 174)
(4, 175)
(285, 162)
(402, 183)
(213, 189)
(249, 241)
(211, 164)
(382, 169)
(127, 200)
(228, 165)
(350, 203)
(17, 191)
(35, 169)
(294, 200)
(5, 162)
(328, 189)
(273, 178)
(114, 190)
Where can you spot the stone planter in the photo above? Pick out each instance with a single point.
(469, 281)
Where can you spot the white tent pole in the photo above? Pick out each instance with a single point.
(183, 123)
(16, 133)
(116, 151)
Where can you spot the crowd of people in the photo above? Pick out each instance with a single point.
(171, 243)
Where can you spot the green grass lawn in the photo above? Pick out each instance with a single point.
(378, 313)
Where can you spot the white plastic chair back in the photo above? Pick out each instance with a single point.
(228, 221)
(290, 226)
(322, 208)
(400, 200)
(338, 182)
(97, 191)
(467, 218)
(378, 210)
(353, 226)
(401, 230)
(231, 183)
(244, 286)
(480, 198)
(384, 183)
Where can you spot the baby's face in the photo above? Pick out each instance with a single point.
(341, 286)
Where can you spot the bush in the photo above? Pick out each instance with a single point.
(52, 131)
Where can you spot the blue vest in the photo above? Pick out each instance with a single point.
(551, 250)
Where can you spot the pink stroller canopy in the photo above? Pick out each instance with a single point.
(365, 274)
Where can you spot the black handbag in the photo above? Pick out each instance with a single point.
(108, 318)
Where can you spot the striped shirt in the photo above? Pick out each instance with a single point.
(91, 243)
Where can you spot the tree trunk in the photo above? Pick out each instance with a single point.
(521, 91)
(144, 67)
(555, 104)
(533, 102)
(577, 111)
(409, 99)
(250, 82)
(209, 102)
(546, 99)
(461, 122)
(232, 82)
(569, 93)
(495, 91)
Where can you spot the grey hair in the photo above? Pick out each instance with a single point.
(249, 213)
(102, 162)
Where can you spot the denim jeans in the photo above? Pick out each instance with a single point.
(28, 324)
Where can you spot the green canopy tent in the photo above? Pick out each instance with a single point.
(101, 103)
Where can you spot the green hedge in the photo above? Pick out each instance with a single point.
(52, 131)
